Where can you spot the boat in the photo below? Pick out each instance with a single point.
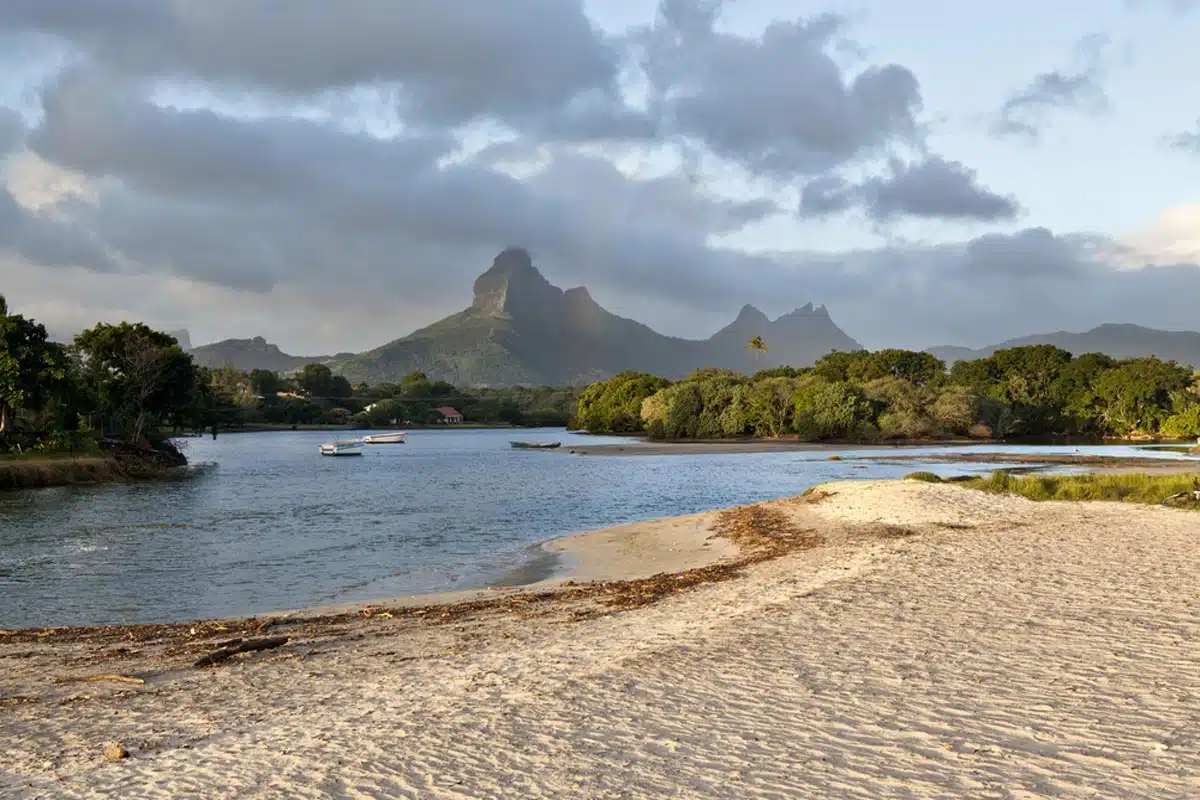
(535, 445)
(342, 448)
(398, 437)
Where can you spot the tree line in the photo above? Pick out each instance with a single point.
(316, 396)
(126, 382)
(133, 384)
(1038, 390)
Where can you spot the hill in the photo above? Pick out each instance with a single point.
(521, 329)
(1116, 340)
(248, 354)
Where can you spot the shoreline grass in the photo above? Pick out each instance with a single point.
(1122, 488)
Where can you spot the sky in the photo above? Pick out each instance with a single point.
(337, 176)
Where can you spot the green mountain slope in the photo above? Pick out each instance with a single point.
(522, 329)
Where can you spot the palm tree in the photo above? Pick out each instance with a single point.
(758, 346)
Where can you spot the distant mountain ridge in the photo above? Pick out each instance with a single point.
(250, 354)
(521, 329)
(1119, 340)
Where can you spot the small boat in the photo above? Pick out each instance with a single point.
(342, 448)
(535, 445)
(399, 437)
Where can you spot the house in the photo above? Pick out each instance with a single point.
(450, 415)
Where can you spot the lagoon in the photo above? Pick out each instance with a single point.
(261, 522)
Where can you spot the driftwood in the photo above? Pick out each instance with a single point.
(238, 646)
(108, 676)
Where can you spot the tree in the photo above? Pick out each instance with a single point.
(139, 376)
(769, 405)
(615, 405)
(831, 410)
(415, 384)
(264, 382)
(1137, 395)
(758, 347)
(316, 380)
(919, 369)
(840, 365)
(31, 366)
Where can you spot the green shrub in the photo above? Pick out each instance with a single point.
(927, 477)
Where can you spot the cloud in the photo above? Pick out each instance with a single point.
(259, 220)
(1026, 111)
(778, 103)
(254, 204)
(934, 188)
(450, 62)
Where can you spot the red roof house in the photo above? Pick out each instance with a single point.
(450, 415)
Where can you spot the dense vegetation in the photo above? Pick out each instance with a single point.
(123, 383)
(315, 396)
(1037, 390)
(128, 383)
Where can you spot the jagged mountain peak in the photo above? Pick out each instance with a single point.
(751, 315)
(513, 285)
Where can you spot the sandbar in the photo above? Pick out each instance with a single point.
(934, 641)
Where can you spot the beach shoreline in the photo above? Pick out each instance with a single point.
(912, 638)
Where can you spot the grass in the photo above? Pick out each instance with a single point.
(35, 472)
(927, 477)
(1123, 488)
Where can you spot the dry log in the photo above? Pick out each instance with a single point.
(248, 646)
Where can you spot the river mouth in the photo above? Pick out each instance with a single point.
(265, 523)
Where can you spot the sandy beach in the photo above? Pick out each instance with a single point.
(869, 640)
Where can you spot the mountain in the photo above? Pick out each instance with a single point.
(522, 329)
(1116, 340)
(248, 354)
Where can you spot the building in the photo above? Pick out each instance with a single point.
(450, 415)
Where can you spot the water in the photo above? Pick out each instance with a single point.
(264, 523)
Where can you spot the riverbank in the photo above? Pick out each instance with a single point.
(123, 463)
(1091, 462)
(267, 428)
(870, 638)
(647, 447)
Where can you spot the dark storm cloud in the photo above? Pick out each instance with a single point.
(252, 204)
(1082, 90)
(930, 189)
(935, 189)
(453, 61)
(1031, 253)
(778, 103)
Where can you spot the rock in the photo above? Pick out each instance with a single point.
(115, 751)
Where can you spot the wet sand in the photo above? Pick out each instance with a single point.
(870, 640)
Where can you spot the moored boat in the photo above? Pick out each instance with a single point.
(342, 448)
(535, 445)
(397, 437)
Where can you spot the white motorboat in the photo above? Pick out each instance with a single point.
(397, 437)
(342, 448)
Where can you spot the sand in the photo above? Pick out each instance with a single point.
(940, 642)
